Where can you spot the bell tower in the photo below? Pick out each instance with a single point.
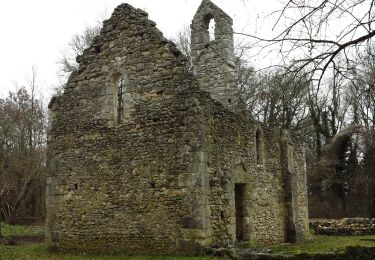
(213, 55)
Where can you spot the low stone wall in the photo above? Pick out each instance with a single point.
(344, 227)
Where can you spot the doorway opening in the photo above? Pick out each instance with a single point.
(239, 198)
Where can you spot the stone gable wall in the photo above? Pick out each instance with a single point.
(117, 187)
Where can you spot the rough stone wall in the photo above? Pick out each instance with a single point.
(295, 188)
(229, 157)
(213, 60)
(344, 227)
(265, 206)
(300, 193)
(122, 186)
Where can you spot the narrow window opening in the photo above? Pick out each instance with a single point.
(121, 87)
(75, 186)
(211, 29)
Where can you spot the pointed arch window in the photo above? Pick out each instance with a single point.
(210, 26)
(119, 98)
(211, 29)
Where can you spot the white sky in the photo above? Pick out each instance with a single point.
(34, 32)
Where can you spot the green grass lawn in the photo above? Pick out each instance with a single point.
(40, 251)
(324, 244)
(8, 230)
(317, 244)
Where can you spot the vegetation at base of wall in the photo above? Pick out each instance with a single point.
(324, 244)
(17, 230)
(317, 244)
(39, 251)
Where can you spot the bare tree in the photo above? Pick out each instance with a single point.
(311, 34)
(312, 54)
(182, 41)
(22, 147)
(361, 91)
(274, 97)
(328, 110)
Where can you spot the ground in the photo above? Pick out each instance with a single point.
(28, 243)
(324, 244)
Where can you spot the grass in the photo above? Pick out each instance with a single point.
(324, 244)
(8, 230)
(317, 244)
(40, 251)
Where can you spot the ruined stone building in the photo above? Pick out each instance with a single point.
(341, 184)
(147, 156)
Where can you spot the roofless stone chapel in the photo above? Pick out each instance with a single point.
(147, 155)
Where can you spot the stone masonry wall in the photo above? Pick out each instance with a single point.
(228, 157)
(343, 227)
(229, 153)
(295, 188)
(284, 201)
(121, 187)
(300, 196)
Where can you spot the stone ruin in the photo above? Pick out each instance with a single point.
(341, 184)
(147, 156)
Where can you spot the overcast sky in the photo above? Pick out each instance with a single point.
(34, 33)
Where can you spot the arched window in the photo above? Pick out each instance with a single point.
(211, 30)
(120, 89)
(259, 147)
(210, 25)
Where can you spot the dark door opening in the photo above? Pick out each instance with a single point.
(239, 197)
